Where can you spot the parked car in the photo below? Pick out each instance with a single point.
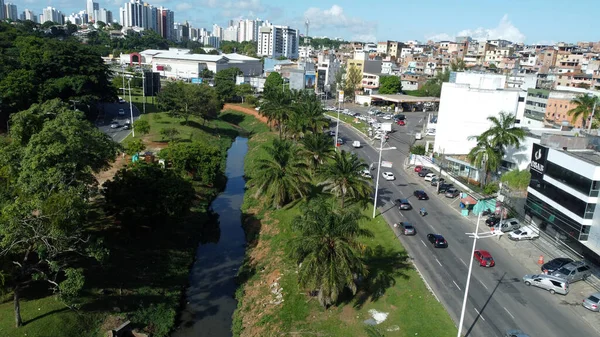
(401, 122)
(407, 228)
(121, 112)
(121, 100)
(430, 176)
(127, 126)
(436, 180)
(388, 176)
(365, 173)
(492, 221)
(430, 132)
(444, 188)
(508, 225)
(387, 117)
(424, 172)
(555, 264)
(574, 271)
(356, 144)
(452, 193)
(340, 141)
(403, 204)
(485, 258)
(437, 240)
(418, 136)
(418, 168)
(592, 302)
(399, 117)
(332, 133)
(515, 333)
(548, 282)
(524, 233)
(114, 125)
(421, 195)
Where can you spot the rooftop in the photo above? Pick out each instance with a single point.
(405, 98)
(589, 156)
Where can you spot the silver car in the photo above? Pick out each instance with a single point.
(592, 302)
(574, 271)
(407, 228)
(551, 283)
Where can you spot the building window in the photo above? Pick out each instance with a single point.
(566, 200)
(554, 222)
(569, 178)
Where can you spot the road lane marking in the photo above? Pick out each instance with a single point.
(456, 285)
(423, 243)
(483, 284)
(463, 262)
(508, 312)
(438, 261)
(478, 313)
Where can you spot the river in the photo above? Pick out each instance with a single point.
(210, 296)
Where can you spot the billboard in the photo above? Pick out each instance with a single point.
(196, 80)
(310, 80)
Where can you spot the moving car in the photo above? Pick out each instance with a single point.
(365, 173)
(403, 204)
(485, 258)
(574, 271)
(452, 193)
(430, 176)
(524, 233)
(401, 122)
(555, 264)
(592, 302)
(421, 195)
(437, 240)
(121, 112)
(127, 126)
(515, 333)
(388, 176)
(356, 144)
(551, 283)
(407, 228)
(121, 100)
(114, 125)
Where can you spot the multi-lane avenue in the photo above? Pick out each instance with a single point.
(498, 300)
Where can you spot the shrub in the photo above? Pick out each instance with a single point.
(418, 150)
(365, 104)
(491, 188)
(250, 99)
(157, 319)
(517, 179)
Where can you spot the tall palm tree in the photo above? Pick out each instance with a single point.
(343, 178)
(584, 104)
(312, 114)
(328, 249)
(317, 146)
(503, 132)
(485, 156)
(276, 108)
(283, 175)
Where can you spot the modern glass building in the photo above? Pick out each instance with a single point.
(562, 196)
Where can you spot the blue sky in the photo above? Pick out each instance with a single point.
(529, 21)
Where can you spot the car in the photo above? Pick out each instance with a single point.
(437, 240)
(121, 112)
(515, 333)
(524, 233)
(418, 136)
(492, 221)
(332, 133)
(399, 117)
(592, 302)
(356, 144)
(574, 271)
(127, 126)
(340, 141)
(418, 168)
(548, 282)
(452, 193)
(407, 228)
(378, 136)
(401, 122)
(114, 125)
(403, 204)
(387, 117)
(388, 176)
(421, 195)
(430, 132)
(436, 180)
(443, 188)
(365, 173)
(121, 100)
(555, 264)
(257, 108)
(508, 225)
(424, 172)
(430, 176)
(485, 258)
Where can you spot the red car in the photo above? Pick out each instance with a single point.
(485, 258)
(401, 122)
(418, 168)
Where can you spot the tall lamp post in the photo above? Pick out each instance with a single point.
(131, 109)
(123, 68)
(337, 126)
(476, 235)
(381, 149)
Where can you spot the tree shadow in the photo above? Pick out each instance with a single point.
(482, 309)
(55, 311)
(234, 119)
(231, 133)
(252, 227)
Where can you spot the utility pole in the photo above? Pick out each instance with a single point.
(131, 109)
(143, 89)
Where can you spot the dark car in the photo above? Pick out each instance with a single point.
(407, 228)
(421, 195)
(437, 240)
(492, 221)
(127, 126)
(452, 193)
(554, 265)
(400, 117)
(444, 188)
(424, 172)
(403, 205)
(436, 181)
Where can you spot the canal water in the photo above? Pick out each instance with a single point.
(210, 296)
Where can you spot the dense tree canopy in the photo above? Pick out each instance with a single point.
(323, 42)
(390, 85)
(186, 100)
(198, 160)
(225, 83)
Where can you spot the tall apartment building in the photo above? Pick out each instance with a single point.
(276, 41)
(217, 31)
(2, 14)
(52, 14)
(230, 33)
(165, 19)
(248, 30)
(137, 13)
(104, 15)
(10, 11)
(28, 15)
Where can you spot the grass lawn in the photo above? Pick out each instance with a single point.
(144, 267)
(361, 125)
(401, 293)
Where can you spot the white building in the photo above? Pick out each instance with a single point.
(2, 14)
(217, 31)
(104, 15)
(306, 51)
(327, 66)
(90, 9)
(10, 10)
(212, 41)
(230, 33)
(29, 15)
(276, 41)
(248, 30)
(52, 14)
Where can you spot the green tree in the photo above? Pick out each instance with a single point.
(584, 104)
(169, 133)
(225, 83)
(503, 132)
(417, 149)
(433, 87)
(328, 249)
(390, 85)
(142, 126)
(342, 177)
(243, 90)
(198, 50)
(311, 113)
(135, 146)
(517, 179)
(199, 160)
(338, 84)
(206, 73)
(276, 107)
(273, 83)
(485, 156)
(186, 100)
(458, 64)
(282, 176)
(352, 81)
(317, 147)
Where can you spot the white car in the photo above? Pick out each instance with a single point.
(121, 100)
(356, 144)
(524, 233)
(418, 136)
(365, 173)
(114, 125)
(388, 176)
(387, 117)
(430, 176)
(121, 112)
(430, 132)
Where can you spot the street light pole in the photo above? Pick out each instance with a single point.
(131, 109)
(378, 172)
(123, 67)
(143, 89)
(337, 126)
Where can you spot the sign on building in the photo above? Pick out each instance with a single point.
(341, 96)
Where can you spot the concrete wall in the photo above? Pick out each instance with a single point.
(481, 81)
(521, 156)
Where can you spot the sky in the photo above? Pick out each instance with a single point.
(528, 21)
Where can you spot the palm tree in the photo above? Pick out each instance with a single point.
(328, 249)
(485, 155)
(311, 111)
(458, 65)
(317, 146)
(503, 132)
(584, 104)
(283, 175)
(343, 178)
(276, 108)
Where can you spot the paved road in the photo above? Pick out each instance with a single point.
(498, 300)
(109, 113)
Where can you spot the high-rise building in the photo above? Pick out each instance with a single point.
(104, 15)
(53, 15)
(230, 33)
(89, 8)
(10, 12)
(216, 32)
(28, 15)
(137, 13)
(165, 23)
(248, 30)
(2, 14)
(276, 41)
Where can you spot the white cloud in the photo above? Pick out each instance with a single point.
(505, 30)
(236, 8)
(334, 21)
(183, 6)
